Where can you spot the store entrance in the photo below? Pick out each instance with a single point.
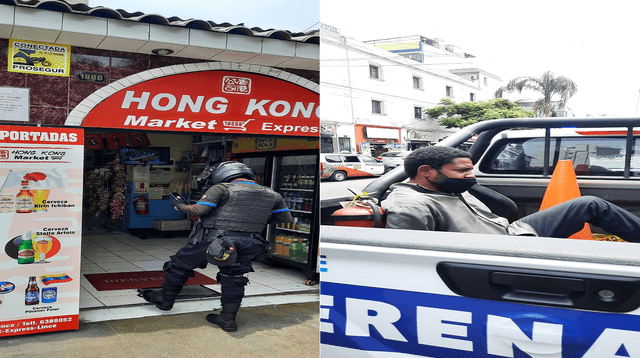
(128, 177)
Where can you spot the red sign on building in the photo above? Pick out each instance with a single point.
(212, 101)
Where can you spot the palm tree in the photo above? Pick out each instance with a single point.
(548, 85)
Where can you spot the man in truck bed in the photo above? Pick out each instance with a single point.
(435, 199)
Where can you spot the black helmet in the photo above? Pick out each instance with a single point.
(226, 172)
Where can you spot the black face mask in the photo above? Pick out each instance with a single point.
(455, 185)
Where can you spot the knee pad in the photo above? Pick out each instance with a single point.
(174, 270)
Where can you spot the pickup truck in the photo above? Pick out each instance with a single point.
(401, 293)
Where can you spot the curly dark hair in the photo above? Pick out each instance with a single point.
(435, 157)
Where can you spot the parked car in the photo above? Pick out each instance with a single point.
(338, 167)
(392, 159)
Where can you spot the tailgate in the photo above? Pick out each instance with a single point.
(410, 293)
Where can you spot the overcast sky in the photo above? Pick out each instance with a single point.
(593, 43)
(292, 15)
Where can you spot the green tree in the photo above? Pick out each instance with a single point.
(458, 115)
(550, 87)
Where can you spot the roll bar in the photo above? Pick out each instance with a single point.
(488, 129)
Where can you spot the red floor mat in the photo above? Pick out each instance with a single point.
(142, 279)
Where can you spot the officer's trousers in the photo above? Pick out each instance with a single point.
(231, 278)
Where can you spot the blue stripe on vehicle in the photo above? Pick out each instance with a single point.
(279, 210)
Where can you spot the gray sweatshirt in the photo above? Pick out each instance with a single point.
(410, 206)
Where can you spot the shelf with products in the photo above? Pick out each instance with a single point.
(293, 230)
(298, 203)
(301, 223)
(295, 243)
(291, 247)
(305, 183)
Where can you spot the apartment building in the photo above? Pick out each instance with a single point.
(374, 93)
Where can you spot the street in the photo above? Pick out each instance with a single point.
(334, 189)
(286, 330)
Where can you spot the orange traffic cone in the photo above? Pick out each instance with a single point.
(563, 186)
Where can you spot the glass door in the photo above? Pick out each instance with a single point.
(294, 177)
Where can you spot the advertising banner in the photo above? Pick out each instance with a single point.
(216, 101)
(365, 148)
(41, 225)
(39, 58)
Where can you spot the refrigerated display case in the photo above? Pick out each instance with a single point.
(295, 177)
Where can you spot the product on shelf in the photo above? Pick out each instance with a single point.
(292, 246)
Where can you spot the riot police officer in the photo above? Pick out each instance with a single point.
(233, 213)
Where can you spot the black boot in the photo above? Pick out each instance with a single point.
(174, 280)
(155, 296)
(227, 317)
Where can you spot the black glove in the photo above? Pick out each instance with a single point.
(178, 201)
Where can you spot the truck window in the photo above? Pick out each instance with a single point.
(593, 156)
(351, 159)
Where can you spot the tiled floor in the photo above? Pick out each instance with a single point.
(122, 252)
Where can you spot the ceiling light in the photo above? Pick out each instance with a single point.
(162, 51)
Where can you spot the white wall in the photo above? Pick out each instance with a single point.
(347, 89)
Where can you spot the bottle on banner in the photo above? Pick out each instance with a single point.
(24, 198)
(32, 293)
(25, 251)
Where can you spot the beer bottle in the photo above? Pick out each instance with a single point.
(25, 251)
(24, 199)
(32, 293)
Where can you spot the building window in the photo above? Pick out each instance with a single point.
(376, 106)
(486, 81)
(417, 82)
(449, 91)
(417, 112)
(345, 144)
(326, 145)
(374, 72)
(472, 97)
(413, 56)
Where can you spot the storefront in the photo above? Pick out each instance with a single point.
(144, 125)
(426, 133)
(377, 139)
(161, 151)
(418, 139)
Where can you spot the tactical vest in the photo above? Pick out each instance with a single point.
(248, 209)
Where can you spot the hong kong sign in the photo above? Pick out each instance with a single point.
(215, 101)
